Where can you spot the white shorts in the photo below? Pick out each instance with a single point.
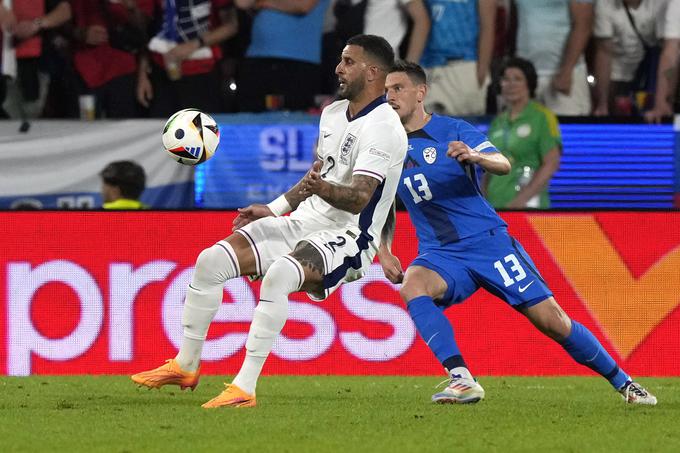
(454, 90)
(576, 103)
(346, 252)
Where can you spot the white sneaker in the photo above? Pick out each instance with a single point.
(634, 393)
(460, 390)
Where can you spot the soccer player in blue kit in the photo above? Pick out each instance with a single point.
(464, 245)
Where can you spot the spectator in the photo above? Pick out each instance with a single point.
(24, 25)
(626, 30)
(122, 185)
(182, 69)
(553, 35)
(282, 68)
(458, 54)
(390, 19)
(108, 35)
(528, 134)
(667, 73)
(503, 46)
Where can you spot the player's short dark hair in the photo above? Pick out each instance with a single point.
(128, 176)
(377, 47)
(527, 69)
(414, 71)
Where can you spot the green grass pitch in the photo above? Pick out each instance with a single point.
(330, 413)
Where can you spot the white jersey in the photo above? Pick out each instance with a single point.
(373, 143)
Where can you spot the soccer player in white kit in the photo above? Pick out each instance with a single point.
(331, 236)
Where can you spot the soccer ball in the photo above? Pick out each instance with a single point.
(191, 136)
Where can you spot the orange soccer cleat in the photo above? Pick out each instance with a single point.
(168, 374)
(231, 396)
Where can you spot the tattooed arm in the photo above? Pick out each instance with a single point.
(296, 194)
(352, 198)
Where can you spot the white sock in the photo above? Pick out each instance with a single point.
(283, 277)
(461, 371)
(214, 266)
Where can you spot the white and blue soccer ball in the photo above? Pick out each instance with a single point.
(191, 136)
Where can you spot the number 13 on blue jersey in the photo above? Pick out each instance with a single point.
(420, 191)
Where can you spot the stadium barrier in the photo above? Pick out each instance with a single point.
(622, 166)
(102, 293)
(57, 164)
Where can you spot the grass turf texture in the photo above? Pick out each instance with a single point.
(324, 413)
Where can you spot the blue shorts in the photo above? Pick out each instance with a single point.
(492, 260)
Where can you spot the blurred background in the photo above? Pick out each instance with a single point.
(585, 89)
(84, 80)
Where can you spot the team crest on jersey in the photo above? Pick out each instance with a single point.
(346, 148)
(430, 154)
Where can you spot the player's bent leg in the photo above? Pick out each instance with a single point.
(421, 286)
(584, 348)
(283, 277)
(548, 317)
(214, 266)
(313, 267)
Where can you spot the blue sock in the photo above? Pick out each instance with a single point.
(583, 347)
(435, 328)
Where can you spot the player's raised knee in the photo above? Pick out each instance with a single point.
(215, 265)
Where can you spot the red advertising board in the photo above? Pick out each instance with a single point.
(101, 293)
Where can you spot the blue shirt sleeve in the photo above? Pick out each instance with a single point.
(471, 136)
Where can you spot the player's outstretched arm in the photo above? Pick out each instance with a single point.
(390, 264)
(352, 198)
(495, 163)
(291, 200)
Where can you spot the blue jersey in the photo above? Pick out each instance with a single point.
(454, 33)
(441, 194)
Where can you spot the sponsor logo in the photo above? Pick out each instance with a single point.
(525, 287)
(193, 150)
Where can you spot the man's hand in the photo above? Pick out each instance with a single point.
(482, 73)
(129, 4)
(601, 110)
(8, 20)
(144, 89)
(313, 183)
(250, 214)
(517, 203)
(463, 153)
(659, 111)
(96, 35)
(26, 29)
(561, 82)
(391, 267)
(182, 51)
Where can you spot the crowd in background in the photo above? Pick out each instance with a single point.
(149, 58)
